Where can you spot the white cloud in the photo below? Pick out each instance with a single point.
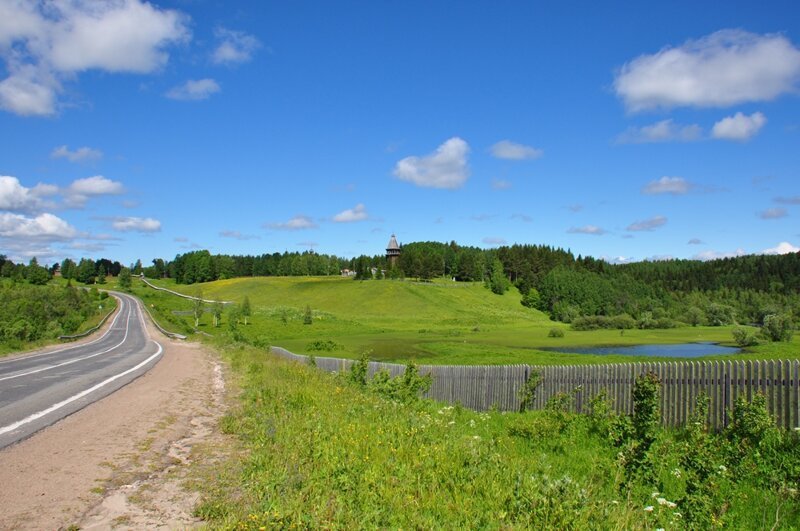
(296, 223)
(76, 195)
(134, 224)
(445, 168)
(667, 185)
(506, 149)
(739, 127)
(617, 259)
(587, 229)
(18, 198)
(784, 200)
(46, 43)
(663, 131)
(357, 213)
(27, 91)
(725, 68)
(236, 235)
(234, 47)
(773, 213)
(46, 227)
(647, 224)
(500, 184)
(695, 241)
(490, 240)
(79, 155)
(522, 217)
(194, 90)
(782, 248)
(714, 255)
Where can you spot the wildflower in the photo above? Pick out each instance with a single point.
(723, 469)
(664, 501)
(451, 423)
(656, 494)
(649, 508)
(676, 472)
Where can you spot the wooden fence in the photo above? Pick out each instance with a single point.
(481, 387)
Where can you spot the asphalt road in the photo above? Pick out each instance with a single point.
(38, 389)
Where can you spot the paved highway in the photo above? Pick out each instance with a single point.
(38, 389)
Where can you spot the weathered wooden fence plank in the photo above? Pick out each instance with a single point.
(482, 387)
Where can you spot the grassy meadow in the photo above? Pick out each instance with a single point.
(438, 322)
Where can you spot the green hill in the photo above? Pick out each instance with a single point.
(438, 322)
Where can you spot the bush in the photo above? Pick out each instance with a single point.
(527, 394)
(326, 346)
(777, 328)
(405, 388)
(743, 337)
(555, 332)
(619, 322)
(358, 372)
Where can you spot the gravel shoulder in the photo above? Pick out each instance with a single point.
(124, 461)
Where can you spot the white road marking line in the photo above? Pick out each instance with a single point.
(59, 405)
(75, 360)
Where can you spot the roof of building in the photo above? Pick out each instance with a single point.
(392, 243)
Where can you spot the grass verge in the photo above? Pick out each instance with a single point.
(322, 452)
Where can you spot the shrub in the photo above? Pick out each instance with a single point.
(743, 337)
(555, 332)
(405, 388)
(595, 322)
(777, 328)
(326, 346)
(358, 372)
(527, 394)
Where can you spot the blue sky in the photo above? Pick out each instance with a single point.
(629, 131)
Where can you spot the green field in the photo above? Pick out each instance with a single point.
(436, 322)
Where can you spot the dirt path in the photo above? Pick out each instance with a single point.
(121, 462)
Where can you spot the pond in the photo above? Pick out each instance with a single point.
(679, 350)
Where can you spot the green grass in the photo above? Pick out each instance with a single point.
(323, 453)
(439, 322)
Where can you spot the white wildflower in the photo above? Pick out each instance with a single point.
(649, 508)
(676, 472)
(656, 494)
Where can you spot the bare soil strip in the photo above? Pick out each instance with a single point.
(124, 461)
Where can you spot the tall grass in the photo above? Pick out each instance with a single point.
(323, 452)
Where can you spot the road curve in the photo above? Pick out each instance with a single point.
(38, 389)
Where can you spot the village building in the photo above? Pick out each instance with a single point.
(392, 252)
